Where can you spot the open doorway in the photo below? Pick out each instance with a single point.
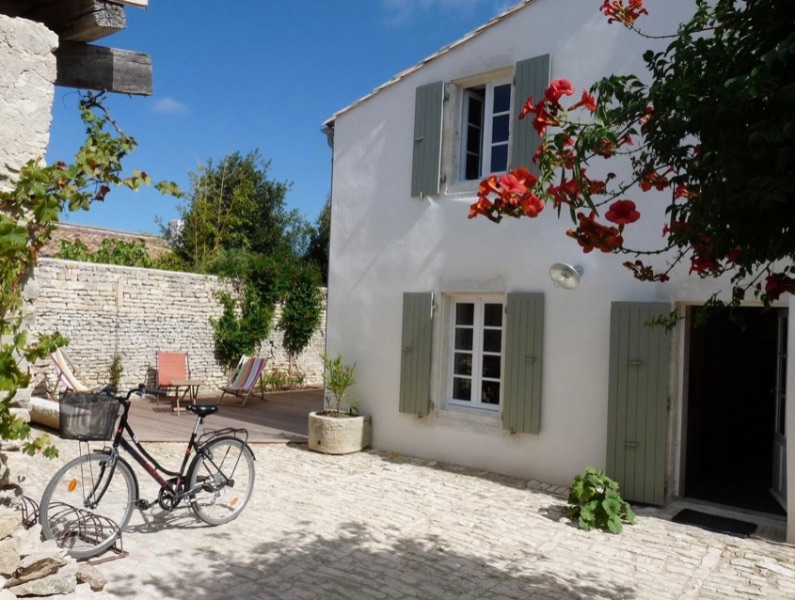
(731, 408)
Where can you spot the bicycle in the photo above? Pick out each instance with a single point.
(90, 500)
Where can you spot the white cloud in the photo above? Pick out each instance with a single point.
(169, 106)
(400, 12)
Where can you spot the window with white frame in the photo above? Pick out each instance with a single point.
(489, 137)
(476, 352)
(485, 130)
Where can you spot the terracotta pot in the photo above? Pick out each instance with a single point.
(339, 434)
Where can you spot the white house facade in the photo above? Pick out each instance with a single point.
(468, 352)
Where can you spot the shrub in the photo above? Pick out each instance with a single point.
(595, 501)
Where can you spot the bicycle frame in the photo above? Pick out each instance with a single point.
(146, 460)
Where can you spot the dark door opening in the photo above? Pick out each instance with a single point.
(731, 409)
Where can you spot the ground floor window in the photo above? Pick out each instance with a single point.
(476, 352)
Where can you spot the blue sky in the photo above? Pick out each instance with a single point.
(235, 76)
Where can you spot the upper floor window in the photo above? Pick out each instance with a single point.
(482, 134)
(485, 130)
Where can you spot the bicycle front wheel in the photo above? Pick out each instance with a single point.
(87, 504)
(222, 479)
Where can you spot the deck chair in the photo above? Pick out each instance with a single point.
(244, 378)
(67, 373)
(171, 366)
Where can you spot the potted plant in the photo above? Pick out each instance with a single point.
(339, 428)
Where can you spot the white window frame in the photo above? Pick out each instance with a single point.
(476, 403)
(486, 91)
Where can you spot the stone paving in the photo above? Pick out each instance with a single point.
(376, 525)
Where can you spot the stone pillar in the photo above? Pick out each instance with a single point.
(27, 88)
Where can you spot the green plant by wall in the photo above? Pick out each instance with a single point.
(241, 327)
(115, 371)
(338, 377)
(263, 282)
(595, 502)
(277, 379)
(301, 310)
(28, 212)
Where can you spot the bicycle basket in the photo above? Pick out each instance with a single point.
(87, 417)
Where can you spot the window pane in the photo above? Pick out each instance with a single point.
(492, 340)
(463, 339)
(473, 140)
(464, 313)
(491, 392)
(475, 111)
(491, 366)
(502, 98)
(472, 170)
(462, 389)
(499, 158)
(492, 315)
(499, 130)
(463, 364)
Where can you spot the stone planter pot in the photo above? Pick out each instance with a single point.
(339, 435)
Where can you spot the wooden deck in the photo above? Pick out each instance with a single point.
(280, 417)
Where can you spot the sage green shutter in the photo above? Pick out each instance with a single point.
(415, 364)
(427, 160)
(524, 345)
(531, 78)
(637, 415)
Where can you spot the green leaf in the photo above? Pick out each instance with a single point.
(614, 524)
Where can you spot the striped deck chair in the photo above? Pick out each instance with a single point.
(244, 378)
(66, 373)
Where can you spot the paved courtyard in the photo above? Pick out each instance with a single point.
(375, 525)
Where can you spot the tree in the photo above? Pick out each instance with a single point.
(234, 206)
(28, 213)
(714, 127)
(237, 226)
(318, 249)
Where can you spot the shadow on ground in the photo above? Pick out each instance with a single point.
(359, 562)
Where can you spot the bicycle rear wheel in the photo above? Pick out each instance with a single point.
(87, 504)
(222, 475)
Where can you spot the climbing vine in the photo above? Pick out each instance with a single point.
(262, 282)
(29, 209)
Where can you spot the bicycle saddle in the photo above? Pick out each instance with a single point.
(202, 410)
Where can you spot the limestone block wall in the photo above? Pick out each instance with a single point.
(27, 77)
(105, 310)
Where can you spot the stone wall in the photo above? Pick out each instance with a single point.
(27, 76)
(105, 309)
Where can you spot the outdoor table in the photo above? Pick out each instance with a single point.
(191, 390)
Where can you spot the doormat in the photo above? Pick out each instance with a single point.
(714, 523)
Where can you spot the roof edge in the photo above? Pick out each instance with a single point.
(444, 50)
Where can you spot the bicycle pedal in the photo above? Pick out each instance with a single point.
(143, 504)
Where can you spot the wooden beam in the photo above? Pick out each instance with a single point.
(72, 20)
(99, 68)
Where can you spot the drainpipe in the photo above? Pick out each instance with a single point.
(328, 130)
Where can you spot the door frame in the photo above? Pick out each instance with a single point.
(677, 439)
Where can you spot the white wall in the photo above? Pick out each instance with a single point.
(385, 243)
